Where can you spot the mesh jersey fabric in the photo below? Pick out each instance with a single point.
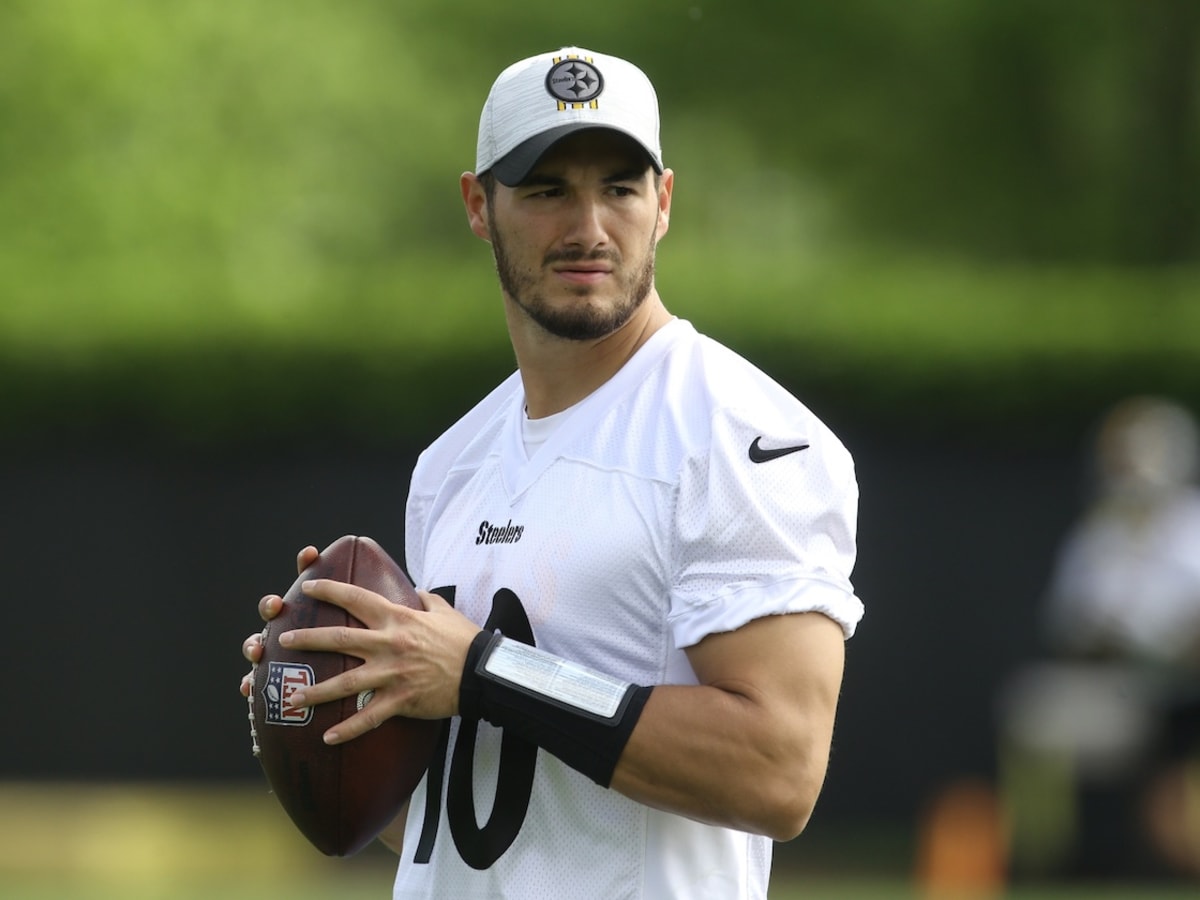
(639, 527)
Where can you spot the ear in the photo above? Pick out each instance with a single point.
(666, 188)
(475, 200)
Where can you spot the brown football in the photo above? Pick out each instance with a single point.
(340, 797)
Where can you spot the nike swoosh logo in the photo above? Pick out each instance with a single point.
(759, 455)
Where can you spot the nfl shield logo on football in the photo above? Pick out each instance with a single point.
(283, 680)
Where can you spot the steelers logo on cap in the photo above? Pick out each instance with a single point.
(574, 81)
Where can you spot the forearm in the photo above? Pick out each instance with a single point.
(392, 835)
(746, 748)
(727, 758)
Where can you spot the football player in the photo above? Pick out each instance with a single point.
(634, 553)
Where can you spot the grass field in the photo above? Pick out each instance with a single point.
(169, 842)
(376, 887)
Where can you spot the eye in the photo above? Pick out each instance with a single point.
(535, 189)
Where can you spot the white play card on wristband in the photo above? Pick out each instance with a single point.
(556, 679)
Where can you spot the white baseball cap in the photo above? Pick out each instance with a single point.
(540, 100)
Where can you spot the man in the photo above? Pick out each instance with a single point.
(670, 529)
(1107, 725)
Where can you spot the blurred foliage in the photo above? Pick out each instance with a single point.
(1017, 130)
(217, 218)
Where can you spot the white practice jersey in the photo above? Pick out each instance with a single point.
(672, 503)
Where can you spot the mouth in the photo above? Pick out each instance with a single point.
(582, 273)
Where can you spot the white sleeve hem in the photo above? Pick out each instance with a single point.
(742, 603)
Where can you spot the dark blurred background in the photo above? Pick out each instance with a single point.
(237, 296)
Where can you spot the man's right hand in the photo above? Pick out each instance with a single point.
(268, 608)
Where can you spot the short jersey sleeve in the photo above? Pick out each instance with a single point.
(765, 531)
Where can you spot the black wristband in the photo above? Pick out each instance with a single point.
(587, 731)
(470, 690)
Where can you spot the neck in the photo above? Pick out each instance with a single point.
(557, 373)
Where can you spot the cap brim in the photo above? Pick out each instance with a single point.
(515, 166)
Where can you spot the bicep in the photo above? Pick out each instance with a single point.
(789, 664)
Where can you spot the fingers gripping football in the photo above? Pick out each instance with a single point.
(340, 796)
(268, 608)
(412, 659)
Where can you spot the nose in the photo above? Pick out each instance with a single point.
(586, 227)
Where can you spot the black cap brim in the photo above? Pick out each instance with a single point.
(514, 167)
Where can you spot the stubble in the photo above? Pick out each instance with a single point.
(583, 321)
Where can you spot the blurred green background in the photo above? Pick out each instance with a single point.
(229, 229)
(961, 210)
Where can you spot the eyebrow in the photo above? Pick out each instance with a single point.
(541, 179)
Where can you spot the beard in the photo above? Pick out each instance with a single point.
(587, 320)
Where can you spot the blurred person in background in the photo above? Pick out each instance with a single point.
(1101, 744)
